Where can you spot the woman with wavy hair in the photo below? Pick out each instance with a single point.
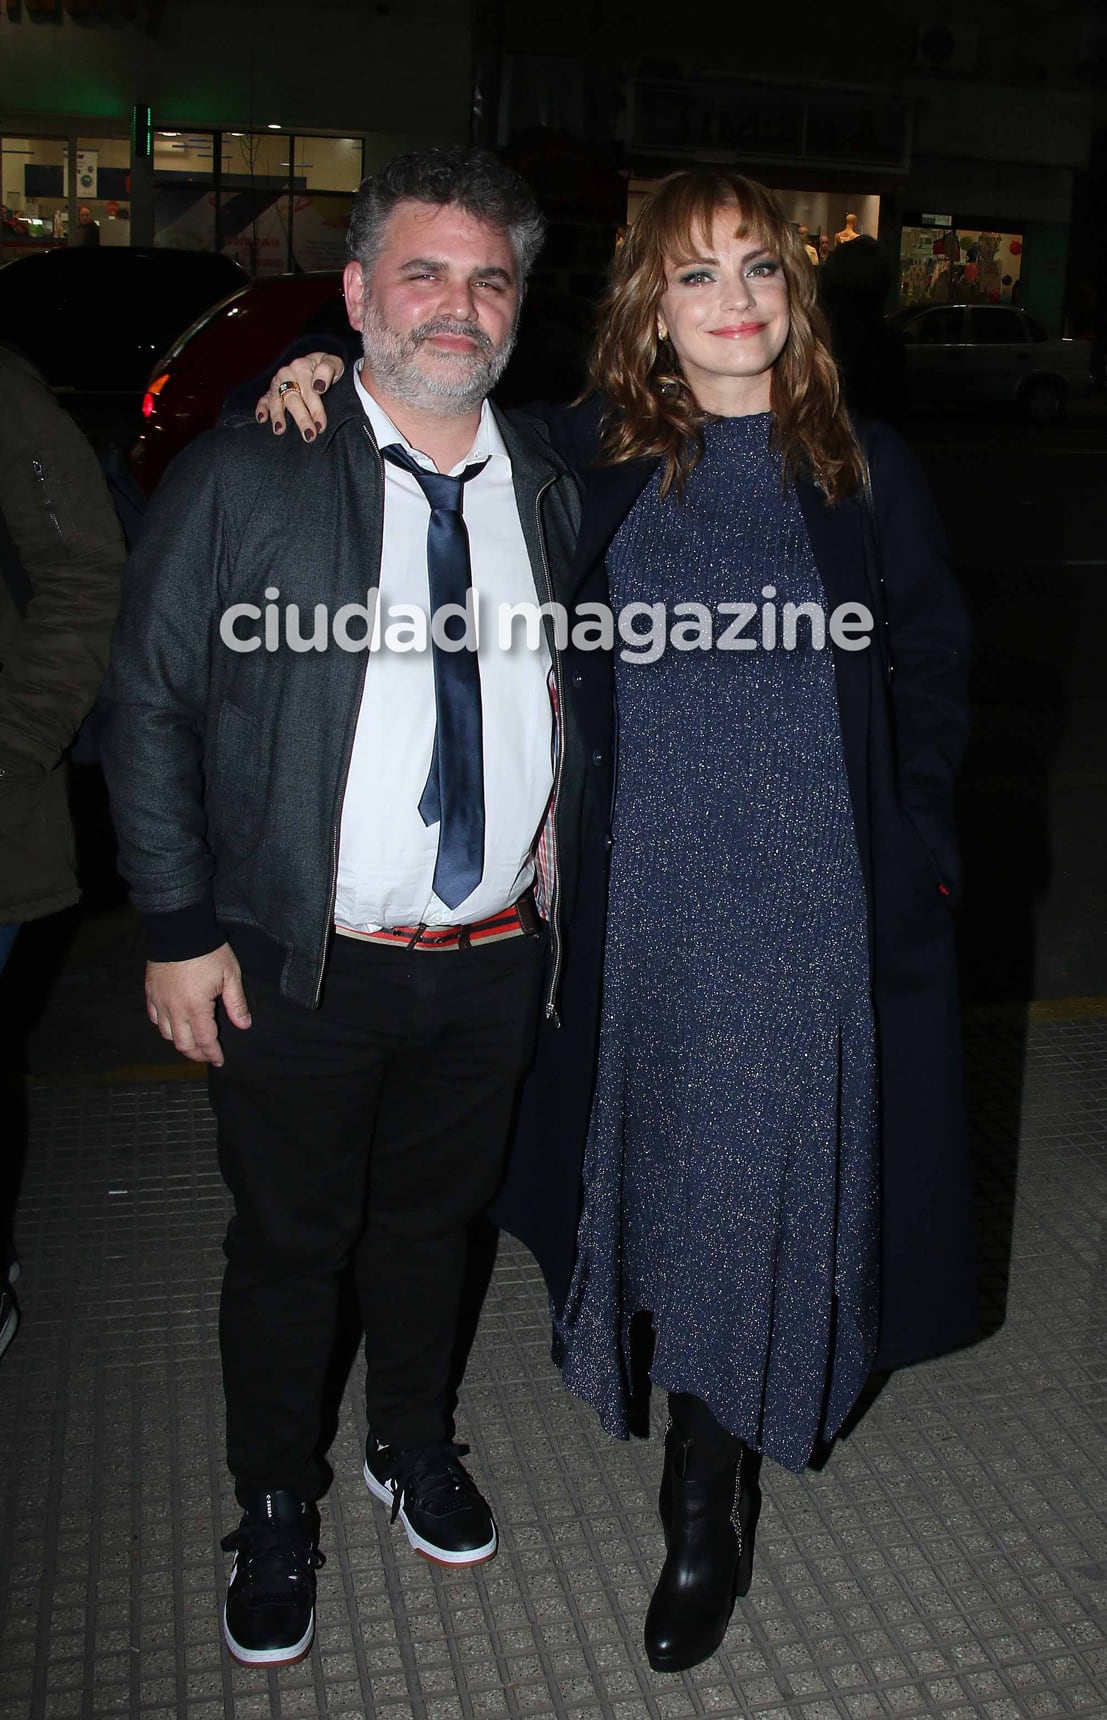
(775, 1168)
(731, 1178)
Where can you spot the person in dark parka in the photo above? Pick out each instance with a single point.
(61, 557)
(871, 532)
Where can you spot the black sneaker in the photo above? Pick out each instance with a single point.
(444, 1514)
(269, 1618)
(9, 1318)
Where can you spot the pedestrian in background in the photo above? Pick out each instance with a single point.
(61, 556)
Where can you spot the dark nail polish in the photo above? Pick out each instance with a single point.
(319, 386)
(261, 417)
(309, 435)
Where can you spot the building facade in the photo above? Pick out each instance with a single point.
(236, 125)
(952, 134)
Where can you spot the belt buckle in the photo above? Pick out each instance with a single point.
(530, 920)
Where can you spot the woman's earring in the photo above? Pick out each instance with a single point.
(662, 333)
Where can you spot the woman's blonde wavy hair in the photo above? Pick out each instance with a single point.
(650, 409)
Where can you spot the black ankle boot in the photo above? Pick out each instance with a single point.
(708, 1509)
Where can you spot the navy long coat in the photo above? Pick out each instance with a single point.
(903, 711)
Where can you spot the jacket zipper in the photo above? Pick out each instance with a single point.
(555, 897)
(328, 920)
(39, 471)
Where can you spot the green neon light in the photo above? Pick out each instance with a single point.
(142, 132)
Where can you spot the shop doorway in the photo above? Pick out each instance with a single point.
(825, 219)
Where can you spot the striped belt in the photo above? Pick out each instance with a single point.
(520, 921)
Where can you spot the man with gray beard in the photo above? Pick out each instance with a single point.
(342, 855)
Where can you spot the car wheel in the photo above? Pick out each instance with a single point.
(1042, 400)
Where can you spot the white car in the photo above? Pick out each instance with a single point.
(993, 354)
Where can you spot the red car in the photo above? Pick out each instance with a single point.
(243, 335)
(233, 341)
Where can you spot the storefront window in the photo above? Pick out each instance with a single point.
(33, 172)
(328, 163)
(103, 192)
(968, 265)
(253, 224)
(272, 201)
(326, 176)
(184, 190)
(821, 217)
(255, 200)
(258, 159)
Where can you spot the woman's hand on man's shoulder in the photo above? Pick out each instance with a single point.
(294, 395)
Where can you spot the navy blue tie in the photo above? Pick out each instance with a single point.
(454, 794)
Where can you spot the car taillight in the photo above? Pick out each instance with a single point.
(150, 398)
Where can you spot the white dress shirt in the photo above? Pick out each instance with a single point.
(386, 854)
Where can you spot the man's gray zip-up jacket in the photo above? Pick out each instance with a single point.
(227, 768)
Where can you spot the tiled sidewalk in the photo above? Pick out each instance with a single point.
(950, 1559)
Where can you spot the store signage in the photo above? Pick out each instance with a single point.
(701, 116)
(88, 166)
(936, 220)
(147, 12)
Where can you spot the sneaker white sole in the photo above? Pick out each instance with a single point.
(438, 1555)
(269, 1656)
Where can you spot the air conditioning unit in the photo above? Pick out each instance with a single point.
(947, 47)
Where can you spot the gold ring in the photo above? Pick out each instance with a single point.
(283, 388)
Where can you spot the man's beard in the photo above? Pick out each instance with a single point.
(459, 382)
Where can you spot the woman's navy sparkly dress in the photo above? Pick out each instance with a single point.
(731, 1180)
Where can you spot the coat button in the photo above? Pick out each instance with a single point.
(597, 758)
(577, 678)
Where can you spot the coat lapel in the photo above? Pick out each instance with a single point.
(609, 494)
(837, 541)
(533, 468)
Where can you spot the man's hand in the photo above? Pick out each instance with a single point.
(180, 1001)
(301, 405)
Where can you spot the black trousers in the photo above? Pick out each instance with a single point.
(375, 1126)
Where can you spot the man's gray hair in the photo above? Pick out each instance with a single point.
(471, 179)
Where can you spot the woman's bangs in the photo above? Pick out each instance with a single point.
(684, 219)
